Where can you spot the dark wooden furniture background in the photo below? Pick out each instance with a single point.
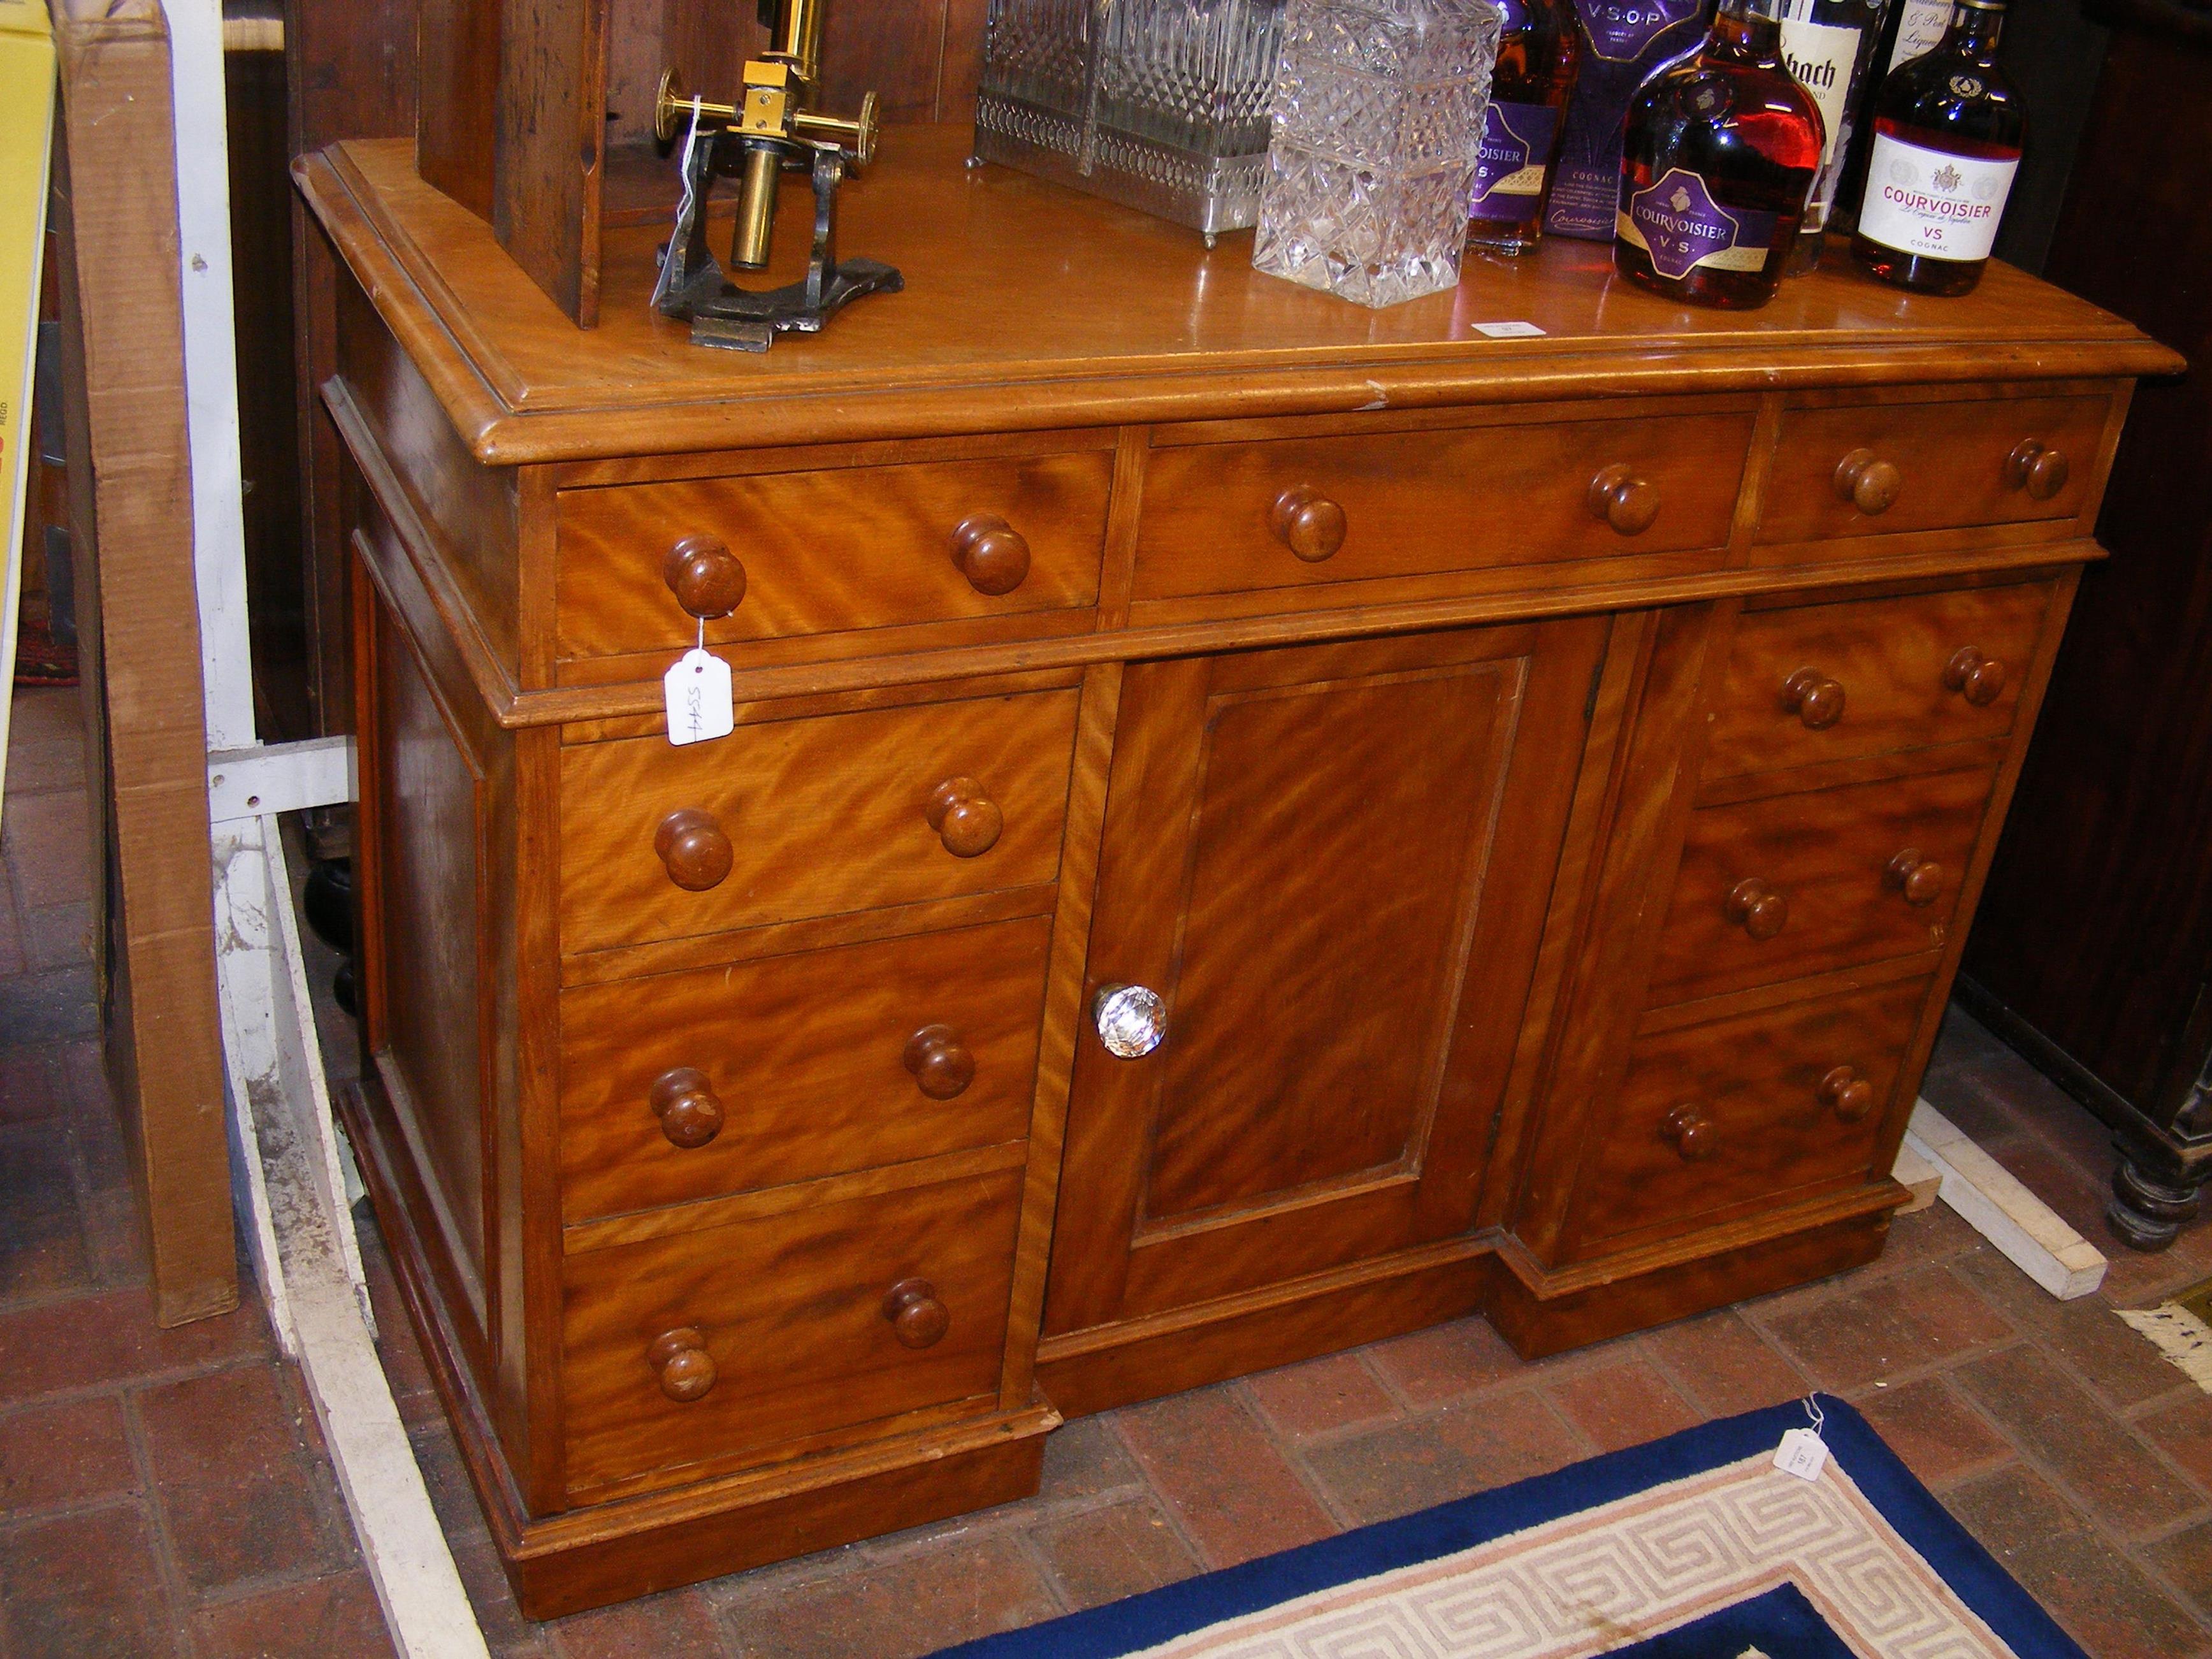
(1544, 783)
(2093, 955)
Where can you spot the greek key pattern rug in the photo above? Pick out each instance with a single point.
(1697, 1547)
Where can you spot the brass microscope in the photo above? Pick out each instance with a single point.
(773, 128)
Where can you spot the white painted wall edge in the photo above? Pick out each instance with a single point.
(2029, 1233)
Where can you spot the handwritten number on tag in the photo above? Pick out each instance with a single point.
(697, 690)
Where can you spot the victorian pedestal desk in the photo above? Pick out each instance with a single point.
(1538, 784)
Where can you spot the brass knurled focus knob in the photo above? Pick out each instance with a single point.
(1867, 482)
(1308, 523)
(1813, 698)
(1623, 498)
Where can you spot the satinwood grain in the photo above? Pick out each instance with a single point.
(806, 1056)
(1887, 658)
(1756, 1080)
(1825, 852)
(791, 1310)
(1950, 459)
(1412, 503)
(825, 551)
(824, 816)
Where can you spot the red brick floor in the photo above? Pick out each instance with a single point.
(165, 1493)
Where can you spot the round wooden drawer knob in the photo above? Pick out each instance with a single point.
(1756, 907)
(705, 576)
(1692, 1131)
(1867, 482)
(1979, 679)
(1308, 523)
(991, 553)
(966, 820)
(2041, 472)
(1847, 1094)
(1920, 882)
(940, 1062)
(686, 1368)
(690, 1113)
(1624, 500)
(1813, 698)
(693, 846)
(918, 1318)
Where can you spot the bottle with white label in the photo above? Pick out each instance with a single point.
(1947, 131)
(1829, 46)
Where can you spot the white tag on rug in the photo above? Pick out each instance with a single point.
(1802, 1453)
(698, 693)
(1509, 331)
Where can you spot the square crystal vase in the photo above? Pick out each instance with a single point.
(1378, 108)
(1160, 105)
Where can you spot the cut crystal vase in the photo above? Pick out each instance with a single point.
(1378, 110)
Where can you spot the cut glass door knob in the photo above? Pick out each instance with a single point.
(1131, 1019)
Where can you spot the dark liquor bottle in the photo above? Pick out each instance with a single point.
(1829, 47)
(1538, 52)
(1948, 131)
(1721, 147)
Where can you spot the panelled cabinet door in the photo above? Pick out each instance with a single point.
(1299, 859)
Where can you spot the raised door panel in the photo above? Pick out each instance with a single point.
(1298, 857)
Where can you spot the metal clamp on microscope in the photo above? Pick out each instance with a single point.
(770, 129)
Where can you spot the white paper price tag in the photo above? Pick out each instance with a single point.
(698, 692)
(1509, 331)
(1802, 1453)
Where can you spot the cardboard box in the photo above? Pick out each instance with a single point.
(1623, 41)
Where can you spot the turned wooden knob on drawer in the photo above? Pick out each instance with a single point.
(693, 846)
(1846, 1094)
(1757, 907)
(1919, 881)
(1308, 523)
(1867, 482)
(1624, 499)
(2041, 472)
(1979, 679)
(686, 1368)
(918, 1318)
(966, 820)
(940, 1062)
(705, 576)
(1692, 1132)
(1813, 698)
(991, 553)
(690, 1112)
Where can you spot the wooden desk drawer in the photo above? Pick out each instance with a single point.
(809, 817)
(1831, 682)
(799, 1067)
(1715, 1117)
(1426, 501)
(863, 547)
(790, 1313)
(1928, 466)
(1791, 885)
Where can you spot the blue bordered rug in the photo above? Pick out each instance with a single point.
(1695, 1546)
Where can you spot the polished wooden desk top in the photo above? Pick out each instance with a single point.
(1028, 306)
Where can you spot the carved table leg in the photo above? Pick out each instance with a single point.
(2147, 1213)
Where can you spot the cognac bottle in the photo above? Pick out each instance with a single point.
(1829, 47)
(1721, 149)
(1948, 131)
(1539, 50)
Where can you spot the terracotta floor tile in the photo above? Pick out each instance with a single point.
(1102, 1555)
(71, 1454)
(447, 1479)
(1727, 1366)
(2105, 1601)
(229, 1463)
(2048, 1416)
(58, 935)
(1445, 1361)
(2183, 1432)
(680, 1624)
(1468, 1447)
(48, 845)
(31, 1083)
(49, 1007)
(12, 958)
(2080, 1332)
(894, 1609)
(81, 1585)
(404, 1368)
(112, 1338)
(1333, 1392)
(40, 714)
(1939, 1436)
(41, 1246)
(1229, 1486)
(1622, 1404)
(506, 1633)
(1901, 1323)
(332, 1618)
(45, 764)
(2138, 1279)
(1082, 1459)
(2185, 1559)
